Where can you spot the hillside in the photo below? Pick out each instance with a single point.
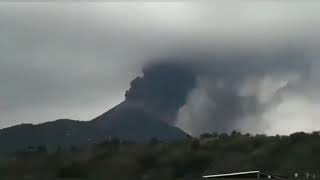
(147, 112)
(123, 121)
(186, 159)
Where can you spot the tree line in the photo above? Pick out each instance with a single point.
(295, 155)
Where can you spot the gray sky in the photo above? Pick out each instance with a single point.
(75, 60)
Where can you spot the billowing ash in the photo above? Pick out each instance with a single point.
(240, 92)
(163, 88)
(258, 93)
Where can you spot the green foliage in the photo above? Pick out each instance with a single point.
(75, 170)
(211, 153)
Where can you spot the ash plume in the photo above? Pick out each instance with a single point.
(241, 92)
(256, 93)
(163, 88)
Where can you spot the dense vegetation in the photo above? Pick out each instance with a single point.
(211, 153)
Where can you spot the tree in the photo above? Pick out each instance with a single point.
(205, 136)
(153, 142)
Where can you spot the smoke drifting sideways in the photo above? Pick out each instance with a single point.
(270, 93)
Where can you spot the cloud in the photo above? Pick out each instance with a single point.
(76, 60)
(236, 93)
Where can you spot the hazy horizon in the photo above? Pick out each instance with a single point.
(76, 61)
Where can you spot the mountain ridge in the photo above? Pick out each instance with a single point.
(121, 122)
(148, 111)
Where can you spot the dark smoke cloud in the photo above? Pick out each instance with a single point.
(163, 88)
(234, 88)
(222, 92)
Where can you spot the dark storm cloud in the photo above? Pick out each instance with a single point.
(76, 60)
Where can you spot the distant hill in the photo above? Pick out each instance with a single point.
(62, 133)
(130, 121)
(149, 111)
(123, 121)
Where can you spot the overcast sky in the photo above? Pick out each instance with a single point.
(75, 60)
